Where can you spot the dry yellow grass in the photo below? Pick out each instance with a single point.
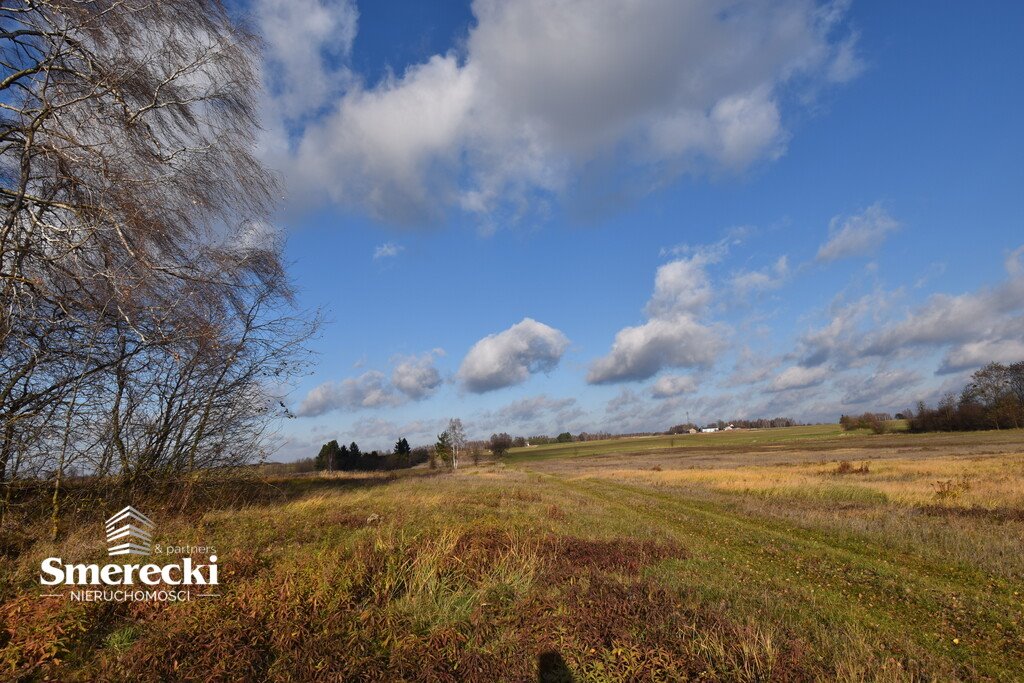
(983, 481)
(741, 563)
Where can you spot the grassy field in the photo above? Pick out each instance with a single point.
(798, 554)
(641, 444)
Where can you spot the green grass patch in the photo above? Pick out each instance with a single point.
(642, 444)
(822, 493)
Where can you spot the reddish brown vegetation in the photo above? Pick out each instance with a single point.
(566, 556)
(1002, 514)
(589, 602)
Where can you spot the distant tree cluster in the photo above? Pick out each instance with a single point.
(285, 468)
(500, 443)
(876, 422)
(682, 428)
(593, 436)
(339, 458)
(993, 399)
(442, 450)
(762, 423)
(759, 423)
(450, 443)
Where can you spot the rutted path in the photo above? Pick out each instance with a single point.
(824, 580)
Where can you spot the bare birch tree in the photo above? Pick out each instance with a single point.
(144, 308)
(457, 439)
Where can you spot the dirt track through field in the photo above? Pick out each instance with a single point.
(828, 579)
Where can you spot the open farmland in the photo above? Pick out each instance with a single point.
(797, 554)
(740, 438)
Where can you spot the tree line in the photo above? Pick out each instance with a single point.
(339, 458)
(879, 423)
(759, 423)
(992, 399)
(450, 445)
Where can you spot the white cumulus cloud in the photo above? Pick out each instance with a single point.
(542, 92)
(881, 388)
(673, 336)
(416, 376)
(989, 319)
(640, 352)
(413, 378)
(369, 390)
(674, 385)
(750, 282)
(857, 235)
(306, 45)
(799, 377)
(510, 357)
(976, 354)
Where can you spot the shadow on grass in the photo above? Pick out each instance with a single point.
(551, 668)
(90, 500)
(291, 488)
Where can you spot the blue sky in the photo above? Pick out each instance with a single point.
(558, 215)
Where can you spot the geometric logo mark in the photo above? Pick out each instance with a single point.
(128, 533)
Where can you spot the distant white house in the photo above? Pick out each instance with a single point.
(708, 430)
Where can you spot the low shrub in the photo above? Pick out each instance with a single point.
(951, 489)
(846, 467)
